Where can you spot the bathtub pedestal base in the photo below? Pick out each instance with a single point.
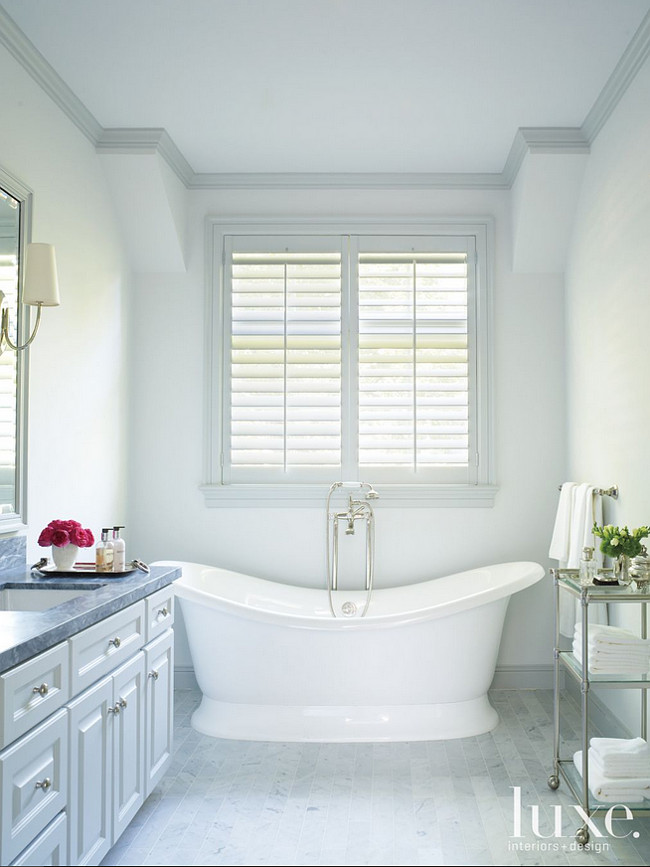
(413, 722)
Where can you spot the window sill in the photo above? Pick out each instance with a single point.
(314, 496)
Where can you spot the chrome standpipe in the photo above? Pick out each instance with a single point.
(357, 510)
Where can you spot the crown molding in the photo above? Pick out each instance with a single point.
(31, 59)
(133, 141)
(147, 141)
(347, 180)
(624, 72)
(542, 140)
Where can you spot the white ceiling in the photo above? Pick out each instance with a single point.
(335, 85)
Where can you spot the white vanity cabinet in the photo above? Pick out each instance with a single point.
(159, 704)
(71, 784)
(129, 743)
(107, 748)
(90, 803)
(34, 784)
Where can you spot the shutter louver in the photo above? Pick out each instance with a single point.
(413, 360)
(285, 363)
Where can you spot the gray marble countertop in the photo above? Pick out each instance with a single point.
(23, 634)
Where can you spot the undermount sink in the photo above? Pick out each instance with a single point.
(39, 598)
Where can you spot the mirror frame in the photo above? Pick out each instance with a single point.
(11, 522)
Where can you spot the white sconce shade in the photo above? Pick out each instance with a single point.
(41, 285)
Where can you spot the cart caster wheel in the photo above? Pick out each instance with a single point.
(553, 781)
(582, 836)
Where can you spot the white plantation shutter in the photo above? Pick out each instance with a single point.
(414, 365)
(284, 361)
(350, 356)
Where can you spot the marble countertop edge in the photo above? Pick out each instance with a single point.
(24, 634)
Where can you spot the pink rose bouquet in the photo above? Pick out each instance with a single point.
(62, 533)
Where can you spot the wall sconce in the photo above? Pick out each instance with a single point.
(40, 289)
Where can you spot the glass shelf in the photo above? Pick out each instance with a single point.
(610, 681)
(603, 592)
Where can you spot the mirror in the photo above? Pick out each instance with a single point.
(15, 202)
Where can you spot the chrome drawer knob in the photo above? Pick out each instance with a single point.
(115, 641)
(115, 709)
(121, 702)
(45, 784)
(163, 612)
(43, 689)
(154, 674)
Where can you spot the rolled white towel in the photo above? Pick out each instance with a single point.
(615, 635)
(613, 791)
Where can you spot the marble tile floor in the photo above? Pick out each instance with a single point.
(438, 802)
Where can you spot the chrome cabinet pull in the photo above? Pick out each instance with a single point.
(43, 689)
(154, 674)
(115, 641)
(45, 784)
(163, 612)
(115, 709)
(121, 702)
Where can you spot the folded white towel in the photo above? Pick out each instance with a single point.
(621, 757)
(623, 655)
(620, 747)
(613, 791)
(620, 768)
(611, 635)
(615, 667)
(559, 549)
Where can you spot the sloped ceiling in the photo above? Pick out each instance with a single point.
(334, 85)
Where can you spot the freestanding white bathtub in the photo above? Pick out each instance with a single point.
(274, 665)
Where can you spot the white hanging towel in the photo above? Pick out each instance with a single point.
(579, 508)
(559, 549)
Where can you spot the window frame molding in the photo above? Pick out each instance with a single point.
(216, 493)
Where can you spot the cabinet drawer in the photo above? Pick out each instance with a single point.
(102, 647)
(32, 691)
(33, 784)
(160, 611)
(48, 849)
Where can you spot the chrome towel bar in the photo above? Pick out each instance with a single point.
(604, 492)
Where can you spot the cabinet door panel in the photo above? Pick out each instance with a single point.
(49, 849)
(128, 743)
(160, 707)
(33, 783)
(91, 759)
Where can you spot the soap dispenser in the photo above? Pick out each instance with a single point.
(100, 552)
(588, 567)
(104, 553)
(109, 550)
(119, 551)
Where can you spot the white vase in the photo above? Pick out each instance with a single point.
(65, 557)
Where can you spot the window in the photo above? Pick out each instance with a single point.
(349, 355)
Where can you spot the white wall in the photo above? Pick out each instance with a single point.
(608, 316)
(77, 429)
(167, 514)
